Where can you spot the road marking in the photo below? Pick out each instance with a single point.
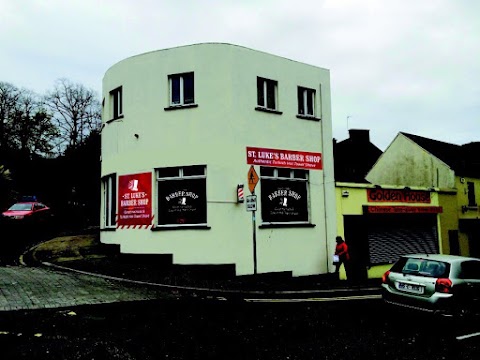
(339, 298)
(467, 336)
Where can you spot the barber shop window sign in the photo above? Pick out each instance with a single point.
(284, 201)
(135, 199)
(182, 202)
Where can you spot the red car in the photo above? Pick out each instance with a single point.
(27, 210)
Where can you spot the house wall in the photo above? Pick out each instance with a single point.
(216, 133)
(471, 214)
(394, 167)
(448, 219)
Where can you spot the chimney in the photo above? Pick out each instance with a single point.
(359, 135)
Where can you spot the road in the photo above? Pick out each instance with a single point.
(200, 329)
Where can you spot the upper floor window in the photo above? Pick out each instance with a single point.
(306, 101)
(267, 93)
(116, 103)
(471, 194)
(181, 89)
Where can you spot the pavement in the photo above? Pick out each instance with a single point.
(39, 283)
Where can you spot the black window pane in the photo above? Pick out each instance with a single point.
(120, 110)
(175, 89)
(300, 174)
(285, 173)
(266, 171)
(188, 89)
(300, 101)
(260, 94)
(471, 194)
(115, 105)
(271, 95)
(310, 95)
(194, 170)
(168, 172)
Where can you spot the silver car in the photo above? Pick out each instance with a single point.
(441, 284)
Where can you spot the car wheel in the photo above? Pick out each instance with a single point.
(462, 310)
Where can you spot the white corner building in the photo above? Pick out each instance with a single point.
(218, 154)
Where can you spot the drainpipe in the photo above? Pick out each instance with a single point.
(328, 198)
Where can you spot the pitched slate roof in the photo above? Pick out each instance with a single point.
(463, 159)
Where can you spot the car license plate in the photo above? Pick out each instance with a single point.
(417, 289)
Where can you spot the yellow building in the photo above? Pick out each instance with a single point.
(420, 195)
(381, 222)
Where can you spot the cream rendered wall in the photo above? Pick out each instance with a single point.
(407, 164)
(216, 133)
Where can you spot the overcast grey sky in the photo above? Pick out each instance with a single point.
(395, 65)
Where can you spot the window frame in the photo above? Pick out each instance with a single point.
(116, 101)
(109, 187)
(267, 89)
(297, 176)
(181, 78)
(305, 108)
(182, 174)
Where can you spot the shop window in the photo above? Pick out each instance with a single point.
(116, 102)
(182, 195)
(109, 186)
(306, 101)
(284, 195)
(181, 89)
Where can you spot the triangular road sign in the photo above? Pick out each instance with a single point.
(252, 179)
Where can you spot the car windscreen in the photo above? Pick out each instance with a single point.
(21, 207)
(422, 267)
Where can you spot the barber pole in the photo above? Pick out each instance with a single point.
(240, 195)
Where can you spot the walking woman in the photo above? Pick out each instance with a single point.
(341, 250)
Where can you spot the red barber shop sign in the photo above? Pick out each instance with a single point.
(284, 158)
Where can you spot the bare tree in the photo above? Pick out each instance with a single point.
(76, 112)
(25, 126)
(9, 96)
(33, 131)
(6, 187)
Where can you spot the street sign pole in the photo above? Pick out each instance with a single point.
(253, 178)
(254, 241)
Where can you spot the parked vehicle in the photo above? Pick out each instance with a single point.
(28, 210)
(446, 285)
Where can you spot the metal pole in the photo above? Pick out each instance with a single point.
(254, 243)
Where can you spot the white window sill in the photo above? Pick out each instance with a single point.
(180, 106)
(308, 117)
(271, 111)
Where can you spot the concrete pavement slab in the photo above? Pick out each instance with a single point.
(24, 287)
